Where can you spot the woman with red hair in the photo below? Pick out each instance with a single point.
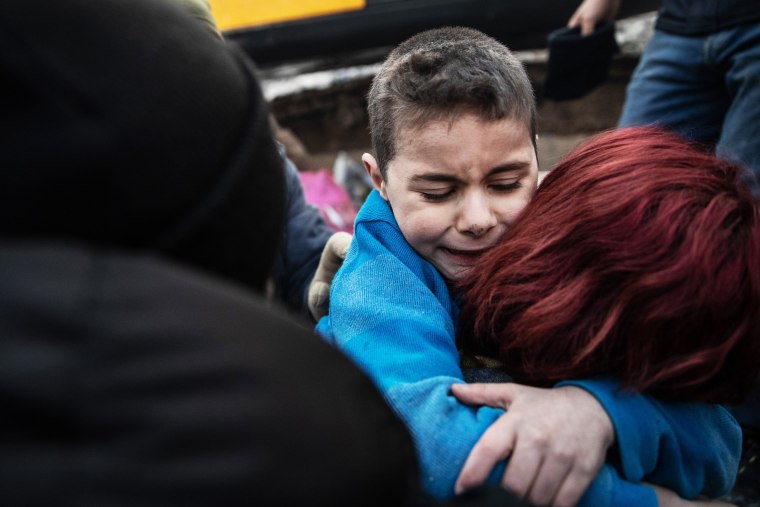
(638, 258)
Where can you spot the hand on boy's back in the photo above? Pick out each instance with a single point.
(556, 440)
(330, 262)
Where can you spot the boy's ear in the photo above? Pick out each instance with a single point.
(370, 164)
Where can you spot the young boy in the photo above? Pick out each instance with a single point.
(453, 128)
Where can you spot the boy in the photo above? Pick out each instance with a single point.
(453, 127)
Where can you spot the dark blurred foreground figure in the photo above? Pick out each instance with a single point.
(141, 199)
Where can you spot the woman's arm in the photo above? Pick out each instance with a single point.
(691, 448)
(529, 415)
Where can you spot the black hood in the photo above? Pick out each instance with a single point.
(125, 123)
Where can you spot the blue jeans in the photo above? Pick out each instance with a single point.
(706, 88)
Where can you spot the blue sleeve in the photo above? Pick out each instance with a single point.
(609, 490)
(391, 314)
(304, 237)
(690, 448)
(389, 322)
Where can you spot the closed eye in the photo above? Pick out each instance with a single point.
(507, 187)
(437, 196)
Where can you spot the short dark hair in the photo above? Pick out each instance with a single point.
(638, 259)
(442, 73)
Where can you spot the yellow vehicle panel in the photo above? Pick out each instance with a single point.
(233, 14)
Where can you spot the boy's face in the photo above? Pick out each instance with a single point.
(456, 187)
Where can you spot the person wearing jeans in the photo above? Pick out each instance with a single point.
(698, 75)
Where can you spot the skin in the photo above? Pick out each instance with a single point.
(455, 188)
(543, 469)
(592, 12)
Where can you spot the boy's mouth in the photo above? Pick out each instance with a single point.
(464, 256)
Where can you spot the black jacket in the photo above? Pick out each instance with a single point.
(128, 381)
(700, 17)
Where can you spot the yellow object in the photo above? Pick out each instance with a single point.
(231, 14)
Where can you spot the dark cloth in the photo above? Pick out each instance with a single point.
(126, 381)
(128, 123)
(578, 63)
(303, 239)
(700, 17)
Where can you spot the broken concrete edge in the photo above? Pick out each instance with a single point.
(632, 35)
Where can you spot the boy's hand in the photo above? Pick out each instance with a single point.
(557, 439)
(592, 12)
(331, 260)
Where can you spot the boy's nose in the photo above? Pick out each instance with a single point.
(476, 217)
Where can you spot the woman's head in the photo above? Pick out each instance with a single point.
(639, 257)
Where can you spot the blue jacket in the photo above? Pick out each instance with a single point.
(391, 312)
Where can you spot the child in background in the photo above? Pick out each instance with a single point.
(453, 128)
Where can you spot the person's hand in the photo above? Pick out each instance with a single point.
(557, 440)
(331, 260)
(592, 12)
(667, 498)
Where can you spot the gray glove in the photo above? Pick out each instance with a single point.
(331, 260)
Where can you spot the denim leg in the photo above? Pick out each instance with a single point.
(738, 51)
(676, 86)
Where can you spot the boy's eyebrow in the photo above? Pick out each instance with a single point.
(447, 178)
(510, 167)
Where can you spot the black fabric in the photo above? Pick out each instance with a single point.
(578, 64)
(127, 123)
(125, 381)
(700, 17)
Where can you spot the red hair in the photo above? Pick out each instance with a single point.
(639, 257)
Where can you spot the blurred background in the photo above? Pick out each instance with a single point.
(317, 59)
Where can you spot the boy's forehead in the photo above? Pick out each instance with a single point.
(425, 133)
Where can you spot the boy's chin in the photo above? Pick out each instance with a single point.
(454, 274)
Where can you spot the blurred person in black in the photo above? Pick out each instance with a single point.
(142, 200)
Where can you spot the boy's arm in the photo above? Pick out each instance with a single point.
(691, 448)
(385, 319)
(399, 329)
